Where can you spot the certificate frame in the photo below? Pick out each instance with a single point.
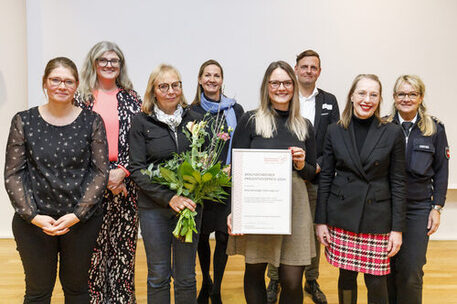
(262, 191)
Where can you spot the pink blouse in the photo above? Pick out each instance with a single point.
(105, 104)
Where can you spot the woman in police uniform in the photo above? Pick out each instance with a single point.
(427, 158)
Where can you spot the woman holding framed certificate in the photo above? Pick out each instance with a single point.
(360, 212)
(277, 124)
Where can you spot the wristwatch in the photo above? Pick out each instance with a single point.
(438, 208)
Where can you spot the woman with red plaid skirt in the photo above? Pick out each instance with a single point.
(360, 212)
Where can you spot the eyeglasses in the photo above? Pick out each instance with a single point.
(103, 62)
(364, 94)
(275, 84)
(175, 86)
(55, 82)
(410, 95)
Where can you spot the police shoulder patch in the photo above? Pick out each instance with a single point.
(437, 120)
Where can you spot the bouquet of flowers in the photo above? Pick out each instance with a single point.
(196, 174)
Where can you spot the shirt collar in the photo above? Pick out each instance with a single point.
(311, 97)
(401, 120)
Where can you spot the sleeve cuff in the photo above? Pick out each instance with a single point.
(127, 173)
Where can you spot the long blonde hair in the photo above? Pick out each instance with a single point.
(149, 98)
(426, 123)
(348, 111)
(264, 116)
(89, 79)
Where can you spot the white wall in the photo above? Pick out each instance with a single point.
(387, 38)
(13, 87)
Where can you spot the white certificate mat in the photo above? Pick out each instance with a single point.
(261, 191)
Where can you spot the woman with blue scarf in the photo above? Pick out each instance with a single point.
(209, 98)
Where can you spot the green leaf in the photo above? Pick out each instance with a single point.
(189, 178)
(189, 186)
(207, 177)
(169, 175)
(197, 176)
(186, 168)
(215, 169)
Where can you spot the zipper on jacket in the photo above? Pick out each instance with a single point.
(176, 140)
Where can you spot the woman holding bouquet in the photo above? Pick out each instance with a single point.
(210, 99)
(277, 124)
(106, 89)
(156, 134)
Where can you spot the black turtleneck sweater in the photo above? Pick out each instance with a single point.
(361, 127)
(245, 137)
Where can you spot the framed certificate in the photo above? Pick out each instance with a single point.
(261, 191)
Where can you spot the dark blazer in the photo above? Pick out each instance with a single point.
(363, 193)
(327, 112)
(152, 141)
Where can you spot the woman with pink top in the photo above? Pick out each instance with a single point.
(106, 89)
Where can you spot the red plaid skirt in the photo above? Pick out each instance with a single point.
(361, 252)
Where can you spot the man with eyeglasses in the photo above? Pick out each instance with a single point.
(321, 108)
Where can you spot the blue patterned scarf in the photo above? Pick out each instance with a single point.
(226, 104)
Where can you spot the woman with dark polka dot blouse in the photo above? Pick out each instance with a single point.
(56, 170)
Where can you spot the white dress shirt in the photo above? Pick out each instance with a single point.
(308, 106)
(401, 120)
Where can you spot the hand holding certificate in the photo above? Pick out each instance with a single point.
(261, 191)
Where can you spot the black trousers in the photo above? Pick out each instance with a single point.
(40, 253)
(405, 279)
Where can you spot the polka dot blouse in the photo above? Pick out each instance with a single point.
(56, 170)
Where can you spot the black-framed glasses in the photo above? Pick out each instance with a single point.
(275, 84)
(404, 95)
(103, 62)
(175, 86)
(55, 82)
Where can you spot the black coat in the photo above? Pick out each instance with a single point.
(327, 112)
(363, 193)
(153, 141)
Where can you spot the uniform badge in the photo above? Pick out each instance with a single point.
(327, 106)
(448, 153)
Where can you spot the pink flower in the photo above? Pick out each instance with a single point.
(224, 136)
